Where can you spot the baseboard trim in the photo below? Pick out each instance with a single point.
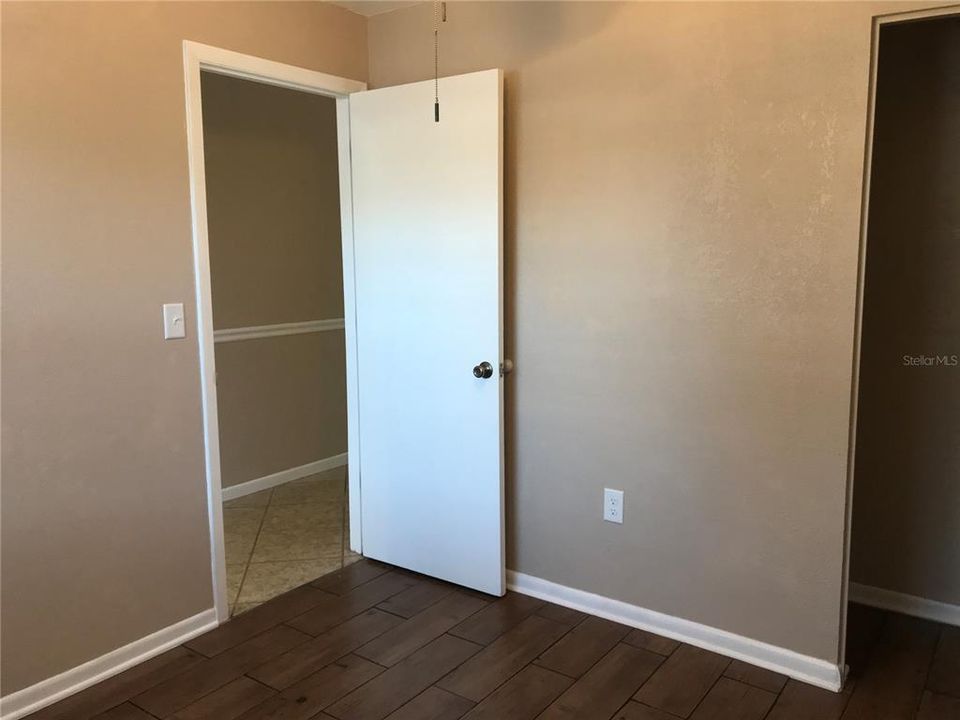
(907, 604)
(46, 692)
(284, 476)
(804, 668)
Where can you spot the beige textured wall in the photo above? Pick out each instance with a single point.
(682, 217)
(103, 508)
(273, 213)
(906, 521)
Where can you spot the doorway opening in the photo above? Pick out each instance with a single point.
(904, 561)
(421, 251)
(273, 255)
(273, 227)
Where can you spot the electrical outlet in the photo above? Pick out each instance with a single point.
(613, 505)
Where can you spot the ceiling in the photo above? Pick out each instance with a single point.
(373, 7)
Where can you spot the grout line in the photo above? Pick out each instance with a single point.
(546, 649)
(253, 548)
(697, 706)
(536, 662)
(643, 704)
(776, 699)
(926, 677)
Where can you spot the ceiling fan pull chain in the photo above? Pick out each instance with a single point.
(439, 15)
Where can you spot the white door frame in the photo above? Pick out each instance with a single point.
(197, 57)
(878, 22)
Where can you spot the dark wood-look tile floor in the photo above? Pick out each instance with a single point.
(371, 642)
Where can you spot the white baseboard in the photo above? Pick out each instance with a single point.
(804, 668)
(906, 604)
(46, 692)
(284, 476)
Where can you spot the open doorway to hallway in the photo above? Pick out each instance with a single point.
(903, 631)
(273, 218)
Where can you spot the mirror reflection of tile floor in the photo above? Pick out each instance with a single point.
(280, 538)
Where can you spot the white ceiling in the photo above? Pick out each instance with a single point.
(373, 7)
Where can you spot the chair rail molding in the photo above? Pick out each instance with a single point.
(255, 332)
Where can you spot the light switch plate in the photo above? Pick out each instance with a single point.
(173, 323)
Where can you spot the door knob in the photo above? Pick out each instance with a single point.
(484, 370)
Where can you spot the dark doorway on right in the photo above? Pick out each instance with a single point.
(903, 639)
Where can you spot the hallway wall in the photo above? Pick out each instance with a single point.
(273, 212)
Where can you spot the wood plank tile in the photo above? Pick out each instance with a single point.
(756, 676)
(606, 687)
(497, 618)
(799, 701)
(945, 672)
(255, 621)
(229, 702)
(649, 641)
(560, 614)
(120, 688)
(341, 608)
(404, 681)
(350, 577)
(433, 704)
(503, 658)
(733, 700)
(635, 711)
(284, 670)
(580, 648)
(523, 697)
(178, 692)
(864, 625)
(683, 680)
(416, 598)
(935, 706)
(408, 637)
(124, 712)
(892, 683)
(312, 694)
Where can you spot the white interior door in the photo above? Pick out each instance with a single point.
(428, 273)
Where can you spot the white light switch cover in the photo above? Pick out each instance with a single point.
(173, 323)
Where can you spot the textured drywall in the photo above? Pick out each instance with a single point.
(683, 185)
(273, 218)
(104, 511)
(906, 501)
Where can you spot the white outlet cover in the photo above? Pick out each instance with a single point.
(613, 505)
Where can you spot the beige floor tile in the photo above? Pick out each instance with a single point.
(280, 538)
(243, 607)
(316, 488)
(279, 542)
(234, 578)
(242, 515)
(305, 515)
(240, 527)
(257, 499)
(266, 580)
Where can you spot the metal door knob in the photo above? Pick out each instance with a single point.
(483, 371)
